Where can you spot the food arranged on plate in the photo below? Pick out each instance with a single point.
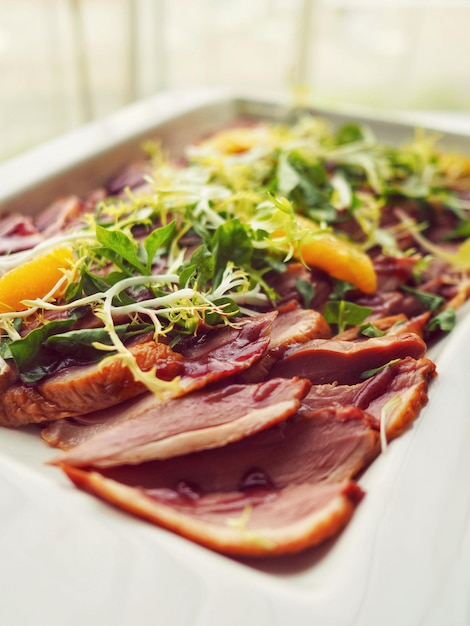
(222, 343)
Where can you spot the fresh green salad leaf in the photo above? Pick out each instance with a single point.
(32, 359)
(158, 238)
(231, 243)
(117, 245)
(445, 321)
(306, 290)
(370, 330)
(344, 314)
(81, 344)
(372, 372)
(430, 301)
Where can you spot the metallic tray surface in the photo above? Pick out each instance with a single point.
(404, 558)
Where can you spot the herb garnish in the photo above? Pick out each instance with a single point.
(196, 246)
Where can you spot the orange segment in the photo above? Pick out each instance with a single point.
(33, 279)
(338, 257)
(238, 140)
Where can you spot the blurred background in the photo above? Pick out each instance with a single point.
(66, 62)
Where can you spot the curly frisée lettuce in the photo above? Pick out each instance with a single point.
(197, 245)
(113, 278)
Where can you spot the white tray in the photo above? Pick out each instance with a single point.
(67, 558)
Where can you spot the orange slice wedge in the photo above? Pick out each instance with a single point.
(34, 279)
(338, 257)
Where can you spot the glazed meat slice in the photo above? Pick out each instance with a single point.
(394, 324)
(292, 327)
(330, 444)
(296, 326)
(133, 176)
(393, 272)
(256, 522)
(277, 491)
(286, 285)
(405, 394)
(79, 390)
(327, 361)
(17, 233)
(396, 394)
(224, 352)
(200, 420)
(60, 216)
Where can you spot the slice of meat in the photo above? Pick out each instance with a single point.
(286, 285)
(17, 233)
(79, 390)
(326, 361)
(396, 394)
(395, 324)
(73, 431)
(291, 327)
(131, 177)
(386, 303)
(200, 420)
(406, 393)
(224, 352)
(259, 522)
(393, 272)
(296, 326)
(327, 445)
(59, 216)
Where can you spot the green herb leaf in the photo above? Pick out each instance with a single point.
(430, 301)
(157, 239)
(306, 290)
(370, 330)
(340, 289)
(352, 133)
(343, 314)
(78, 344)
(287, 176)
(32, 359)
(120, 244)
(187, 274)
(203, 260)
(372, 372)
(42, 350)
(87, 285)
(461, 232)
(306, 184)
(445, 321)
(231, 243)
